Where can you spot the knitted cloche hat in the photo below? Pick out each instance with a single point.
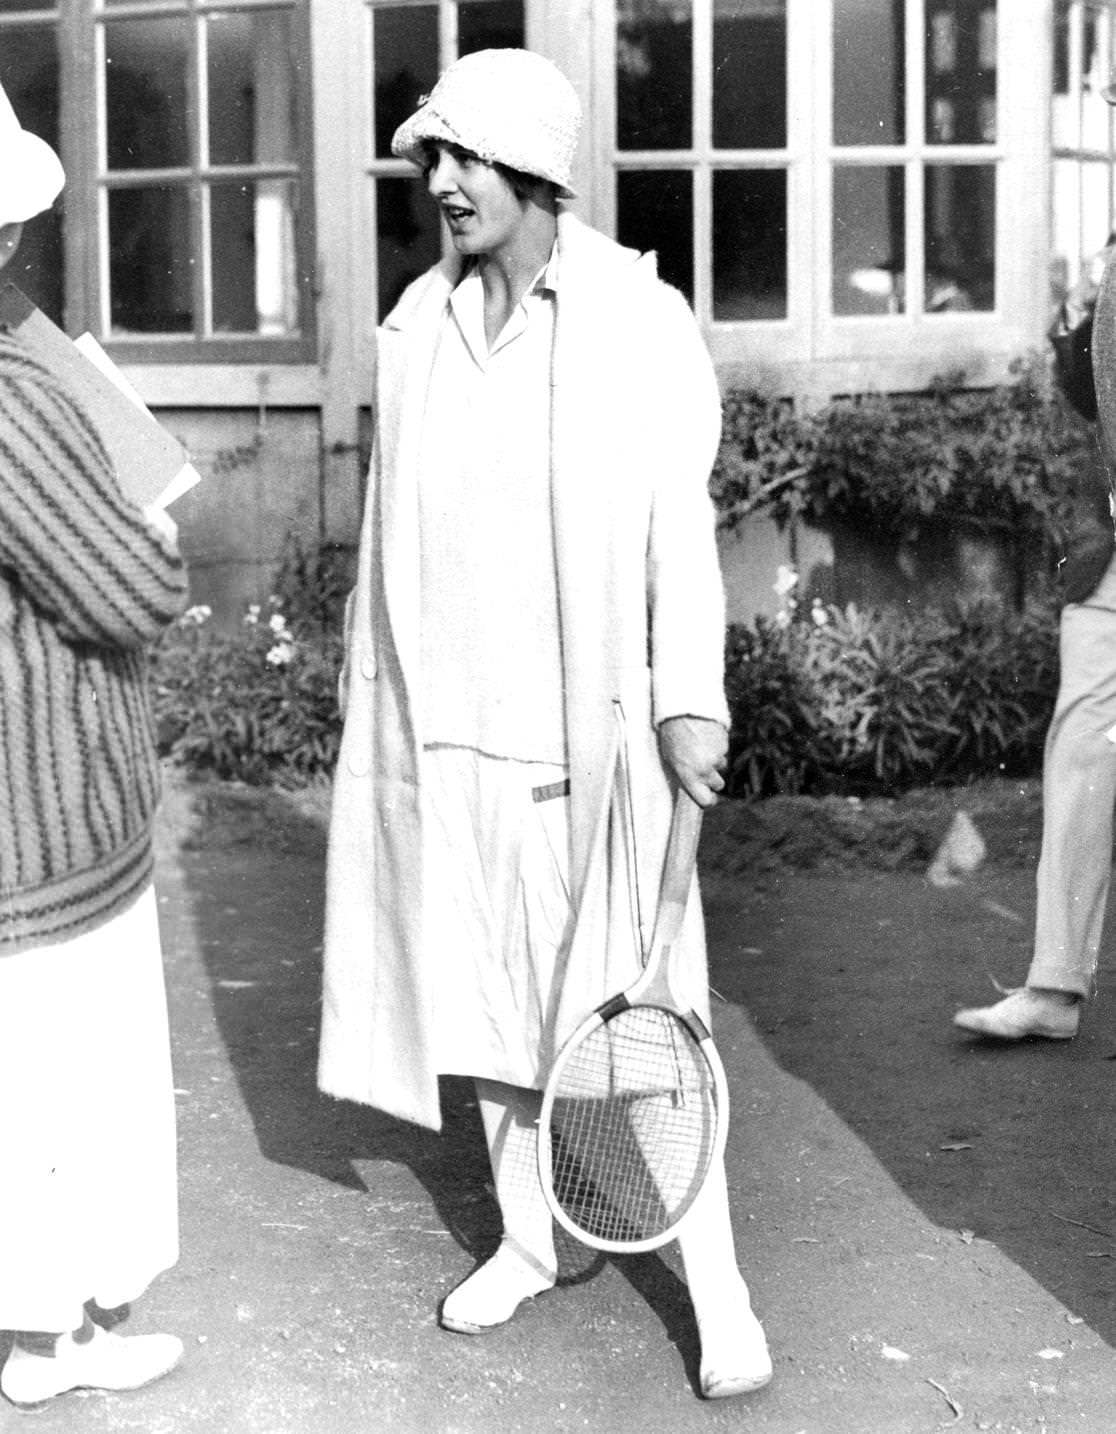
(30, 172)
(510, 107)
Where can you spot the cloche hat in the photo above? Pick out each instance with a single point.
(510, 107)
(31, 173)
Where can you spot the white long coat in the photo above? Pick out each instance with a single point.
(635, 425)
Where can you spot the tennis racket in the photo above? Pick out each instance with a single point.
(635, 1110)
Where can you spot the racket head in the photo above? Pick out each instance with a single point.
(634, 1115)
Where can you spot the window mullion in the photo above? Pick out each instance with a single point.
(196, 104)
(701, 163)
(447, 53)
(1076, 47)
(1104, 36)
(702, 69)
(819, 140)
(97, 266)
(915, 62)
(603, 152)
(447, 33)
(82, 153)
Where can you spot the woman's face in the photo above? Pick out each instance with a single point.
(481, 209)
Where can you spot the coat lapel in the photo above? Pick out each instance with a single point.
(405, 355)
(586, 392)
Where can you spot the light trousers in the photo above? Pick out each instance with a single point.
(88, 1177)
(1078, 797)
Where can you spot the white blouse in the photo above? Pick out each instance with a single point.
(491, 632)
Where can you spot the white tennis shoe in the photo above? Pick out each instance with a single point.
(494, 1291)
(1024, 1013)
(734, 1358)
(107, 1361)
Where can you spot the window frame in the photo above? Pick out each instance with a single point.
(376, 167)
(1086, 242)
(811, 347)
(702, 160)
(861, 335)
(80, 30)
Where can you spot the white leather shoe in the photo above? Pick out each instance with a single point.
(107, 1361)
(1024, 1013)
(494, 1291)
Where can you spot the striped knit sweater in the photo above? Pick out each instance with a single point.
(85, 583)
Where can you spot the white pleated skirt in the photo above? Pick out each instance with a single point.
(496, 910)
(88, 1176)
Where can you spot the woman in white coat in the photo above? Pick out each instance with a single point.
(537, 551)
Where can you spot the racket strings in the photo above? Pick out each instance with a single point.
(632, 1126)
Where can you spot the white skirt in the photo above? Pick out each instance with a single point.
(88, 1189)
(496, 910)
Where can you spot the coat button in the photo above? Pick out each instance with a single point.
(368, 666)
(360, 762)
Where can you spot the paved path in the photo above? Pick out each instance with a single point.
(919, 1245)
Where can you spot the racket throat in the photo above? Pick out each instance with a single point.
(613, 1008)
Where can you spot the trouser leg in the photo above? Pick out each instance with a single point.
(1079, 791)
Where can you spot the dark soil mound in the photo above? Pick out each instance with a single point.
(828, 835)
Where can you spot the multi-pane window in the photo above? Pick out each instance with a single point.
(1083, 135)
(198, 175)
(411, 45)
(823, 178)
(700, 148)
(186, 140)
(891, 193)
(30, 74)
(914, 156)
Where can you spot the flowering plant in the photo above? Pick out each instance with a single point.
(257, 704)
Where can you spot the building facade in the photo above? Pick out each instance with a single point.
(854, 194)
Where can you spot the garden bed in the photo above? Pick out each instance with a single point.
(828, 835)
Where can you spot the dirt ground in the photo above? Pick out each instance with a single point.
(928, 1222)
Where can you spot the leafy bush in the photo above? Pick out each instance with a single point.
(258, 705)
(1011, 457)
(862, 702)
(845, 702)
(311, 587)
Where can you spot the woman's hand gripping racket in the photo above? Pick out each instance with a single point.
(635, 1110)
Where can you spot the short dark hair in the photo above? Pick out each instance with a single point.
(523, 185)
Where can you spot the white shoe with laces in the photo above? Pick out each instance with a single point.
(1050, 1014)
(106, 1361)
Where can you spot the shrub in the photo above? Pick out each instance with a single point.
(1009, 458)
(256, 706)
(846, 701)
(771, 701)
(311, 587)
(862, 702)
(851, 702)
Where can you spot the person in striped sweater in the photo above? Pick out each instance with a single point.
(88, 1199)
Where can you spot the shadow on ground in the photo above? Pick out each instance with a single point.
(852, 983)
(258, 926)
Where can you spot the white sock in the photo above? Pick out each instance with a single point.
(510, 1115)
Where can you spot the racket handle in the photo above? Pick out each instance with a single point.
(678, 868)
